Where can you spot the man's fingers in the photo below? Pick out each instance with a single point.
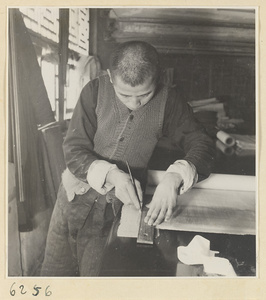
(146, 219)
(151, 212)
(152, 215)
(127, 193)
(160, 217)
(169, 213)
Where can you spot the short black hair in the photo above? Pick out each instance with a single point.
(134, 62)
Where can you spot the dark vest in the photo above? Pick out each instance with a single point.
(122, 135)
(127, 136)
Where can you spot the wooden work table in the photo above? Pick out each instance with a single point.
(124, 257)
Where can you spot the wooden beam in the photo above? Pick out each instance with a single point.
(217, 17)
(93, 34)
(181, 46)
(63, 58)
(138, 29)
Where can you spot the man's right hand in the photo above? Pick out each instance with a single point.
(124, 189)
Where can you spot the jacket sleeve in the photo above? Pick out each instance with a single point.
(185, 132)
(78, 144)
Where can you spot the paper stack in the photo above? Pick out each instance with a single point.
(209, 105)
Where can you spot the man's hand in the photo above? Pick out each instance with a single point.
(124, 189)
(164, 199)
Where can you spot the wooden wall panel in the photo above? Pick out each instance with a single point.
(176, 30)
(212, 51)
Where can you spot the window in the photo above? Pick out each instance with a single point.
(43, 25)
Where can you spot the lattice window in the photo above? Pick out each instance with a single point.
(45, 22)
(43, 25)
(79, 30)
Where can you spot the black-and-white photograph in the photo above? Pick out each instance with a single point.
(132, 142)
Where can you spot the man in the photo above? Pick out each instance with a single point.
(119, 118)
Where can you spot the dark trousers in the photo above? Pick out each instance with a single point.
(77, 235)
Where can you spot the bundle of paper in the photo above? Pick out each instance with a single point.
(208, 105)
(202, 102)
(219, 204)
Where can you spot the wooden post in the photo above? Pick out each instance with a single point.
(63, 58)
(93, 34)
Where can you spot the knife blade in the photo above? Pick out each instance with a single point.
(134, 184)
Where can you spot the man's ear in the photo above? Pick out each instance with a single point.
(110, 76)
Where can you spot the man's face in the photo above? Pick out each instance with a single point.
(134, 97)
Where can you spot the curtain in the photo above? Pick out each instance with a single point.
(30, 112)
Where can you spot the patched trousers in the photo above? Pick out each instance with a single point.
(77, 234)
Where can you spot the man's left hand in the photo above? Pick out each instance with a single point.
(164, 200)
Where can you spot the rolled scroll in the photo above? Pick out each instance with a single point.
(225, 138)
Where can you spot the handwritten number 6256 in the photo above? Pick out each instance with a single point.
(23, 291)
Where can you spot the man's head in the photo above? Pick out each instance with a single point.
(134, 62)
(134, 72)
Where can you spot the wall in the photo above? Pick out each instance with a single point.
(229, 78)
(211, 51)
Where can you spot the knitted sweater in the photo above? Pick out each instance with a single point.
(124, 135)
(123, 138)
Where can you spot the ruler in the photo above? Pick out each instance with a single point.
(146, 232)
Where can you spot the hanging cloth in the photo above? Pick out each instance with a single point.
(29, 109)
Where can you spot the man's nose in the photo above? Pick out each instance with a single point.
(136, 101)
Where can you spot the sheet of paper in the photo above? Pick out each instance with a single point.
(214, 181)
(217, 211)
(203, 210)
(129, 222)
